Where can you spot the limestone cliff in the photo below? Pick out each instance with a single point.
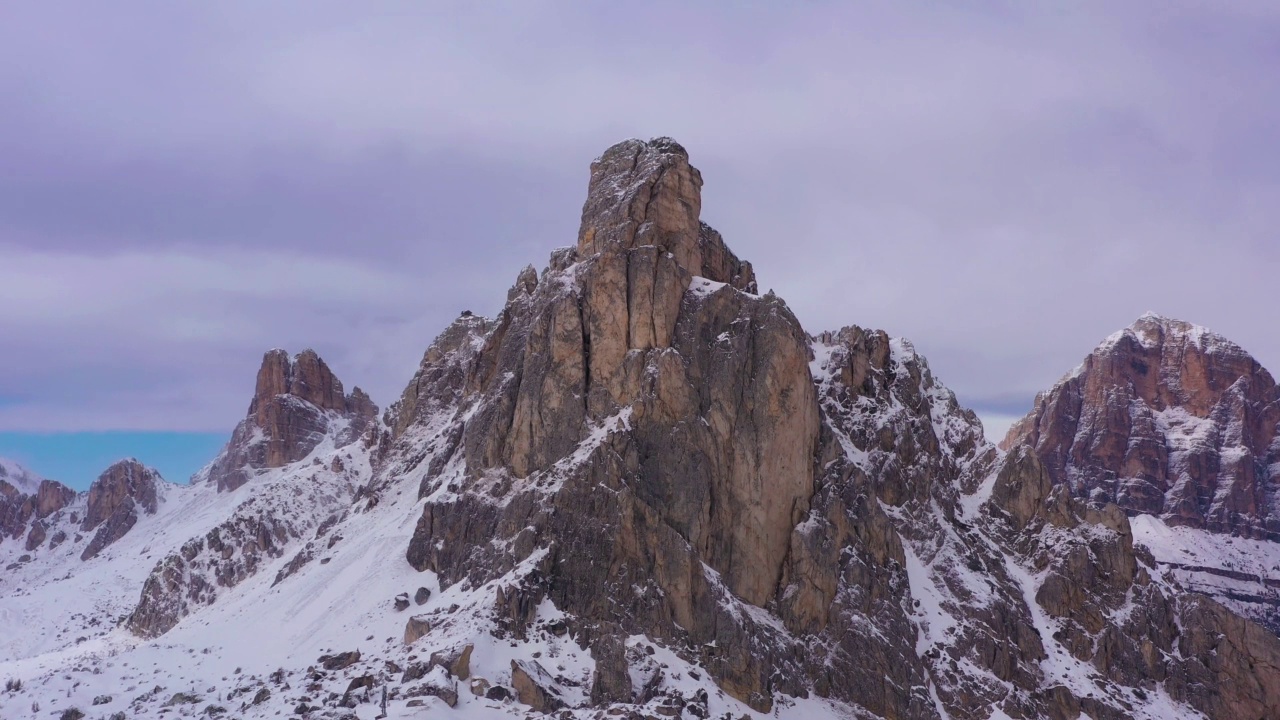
(1179, 427)
(115, 500)
(297, 404)
(1169, 419)
(646, 445)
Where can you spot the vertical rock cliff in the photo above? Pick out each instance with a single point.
(644, 444)
(1181, 428)
(1169, 419)
(297, 404)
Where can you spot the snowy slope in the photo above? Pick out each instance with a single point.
(343, 599)
(1240, 573)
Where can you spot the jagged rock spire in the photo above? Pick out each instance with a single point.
(647, 194)
(649, 333)
(296, 402)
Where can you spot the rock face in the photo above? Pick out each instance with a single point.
(648, 195)
(25, 500)
(297, 403)
(533, 686)
(1102, 603)
(115, 500)
(1169, 419)
(622, 342)
(575, 393)
(645, 445)
(642, 490)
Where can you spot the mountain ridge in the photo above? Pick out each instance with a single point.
(640, 489)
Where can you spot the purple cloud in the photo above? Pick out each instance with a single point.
(187, 186)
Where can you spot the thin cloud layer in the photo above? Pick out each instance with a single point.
(187, 186)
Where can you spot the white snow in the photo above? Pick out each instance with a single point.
(1193, 555)
(702, 287)
(971, 504)
(935, 624)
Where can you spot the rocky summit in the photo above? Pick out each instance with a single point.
(297, 403)
(642, 489)
(1168, 419)
(1176, 425)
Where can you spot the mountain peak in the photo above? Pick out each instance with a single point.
(305, 376)
(1168, 418)
(1152, 329)
(27, 498)
(115, 500)
(297, 403)
(647, 194)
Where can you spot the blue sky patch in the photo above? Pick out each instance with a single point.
(77, 458)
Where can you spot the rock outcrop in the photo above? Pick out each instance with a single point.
(297, 403)
(644, 444)
(1123, 630)
(642, 490)
(121, 493)
(1169, 419)
(26, 499)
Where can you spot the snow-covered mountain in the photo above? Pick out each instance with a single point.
(1178, 426)
(641, 490)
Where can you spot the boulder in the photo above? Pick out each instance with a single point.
(534, 686)
(457, 661)
(418, 626)
(339, 661)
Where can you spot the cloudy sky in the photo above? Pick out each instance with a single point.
(185, 185)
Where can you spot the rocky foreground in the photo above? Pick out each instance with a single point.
(644, 490)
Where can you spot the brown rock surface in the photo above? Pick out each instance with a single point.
(124, 483)
(115, 500)
(456, 660)
(418, 626)
(1169, 419)
(647, 193)
(1109, 610)
(19, 511)
(1232, 666)
(297, 402)
(534, 686)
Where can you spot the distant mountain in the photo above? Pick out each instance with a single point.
(643, 490)
(297, 404)
(1169, 419)
(1172, 421)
